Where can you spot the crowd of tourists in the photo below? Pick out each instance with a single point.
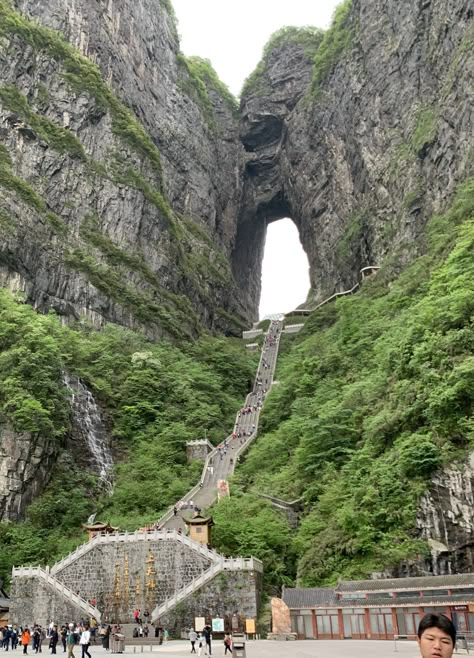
(54, 637)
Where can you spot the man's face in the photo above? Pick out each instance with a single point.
(435, 643)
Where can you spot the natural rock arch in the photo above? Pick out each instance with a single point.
(363, 160)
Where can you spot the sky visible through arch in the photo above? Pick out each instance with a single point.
(232, 34)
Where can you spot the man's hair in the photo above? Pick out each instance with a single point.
(437, 620)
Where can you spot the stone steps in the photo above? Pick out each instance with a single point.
(68, 595)
(205, 493)
(225, 564)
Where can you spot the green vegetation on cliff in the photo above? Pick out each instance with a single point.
(84, 77)
(335, 41)
(323, 47)
(201, 78)
(59, 138)
(155, 397)
(133, 161)
(309, 38)
(374, 395)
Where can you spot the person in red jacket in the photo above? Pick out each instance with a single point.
(25, 639)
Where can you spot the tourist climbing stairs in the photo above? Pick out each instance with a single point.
(221, 461)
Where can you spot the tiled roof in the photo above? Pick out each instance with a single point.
(297, 598)
(300, 597)
(402, 602)
(395, 584)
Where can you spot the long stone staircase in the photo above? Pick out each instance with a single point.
(220, 464)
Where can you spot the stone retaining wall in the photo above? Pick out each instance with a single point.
(230, 593)
(122, 576)
(32, 600)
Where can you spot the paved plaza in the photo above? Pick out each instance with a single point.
(274, 649)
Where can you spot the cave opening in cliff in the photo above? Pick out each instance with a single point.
(285, 269)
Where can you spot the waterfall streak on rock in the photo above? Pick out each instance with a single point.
(88, 420)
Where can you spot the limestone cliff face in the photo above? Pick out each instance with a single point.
(446, 520)
(26, 461)
(361, 162)
(135, 45)
(114, 225)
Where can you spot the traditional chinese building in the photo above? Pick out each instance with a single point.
(200, 529)
(98, 528)
(376, 609)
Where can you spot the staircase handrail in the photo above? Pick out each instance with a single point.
(137, 535)
(224, 564)
(335, 295)
(75, 554)
(67, 594)
(241, 449)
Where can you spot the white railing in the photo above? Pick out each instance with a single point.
(241, 449)
(66, 593)
(303, 311)
(192, 493)
(224, 564)
(132, 537)
(76, 554)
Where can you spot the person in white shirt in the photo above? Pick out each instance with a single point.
(192, 638)
(85, 641)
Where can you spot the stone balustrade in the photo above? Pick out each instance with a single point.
(224, 564)
(293, 328)
(137, 536)
(67, 594)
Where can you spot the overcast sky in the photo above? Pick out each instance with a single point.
(232, 34)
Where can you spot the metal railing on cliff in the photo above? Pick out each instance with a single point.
(363, 273)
